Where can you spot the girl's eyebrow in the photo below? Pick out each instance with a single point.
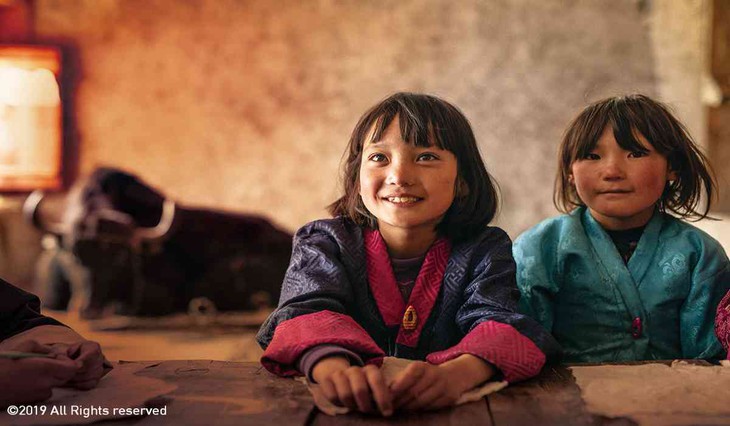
(380, 142)
(373, 144)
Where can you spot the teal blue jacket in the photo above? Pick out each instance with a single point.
(661, 305)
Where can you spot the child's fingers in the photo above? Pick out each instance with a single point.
(360, 389)
(409, 377)
(425, 381)
(381, 393)
(344, 393)
(405, 396)
(408, 397)
(329, 391)
(424, 398)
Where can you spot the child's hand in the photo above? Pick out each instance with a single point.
(33, 379)
(423, 386)
(352, 386)
(91, 359)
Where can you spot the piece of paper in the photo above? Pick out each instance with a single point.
(657, 394)
(391, 367)
(120, 389)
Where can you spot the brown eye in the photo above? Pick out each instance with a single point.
(638, 154)
(427, 156)
(377, 158)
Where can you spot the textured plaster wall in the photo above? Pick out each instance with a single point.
(247, 105)
(680, 34)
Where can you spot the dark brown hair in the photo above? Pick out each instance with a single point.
(424, 121)
(627, 116)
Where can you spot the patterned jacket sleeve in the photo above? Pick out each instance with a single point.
(313, 307)
(494, 330)
(534, 275)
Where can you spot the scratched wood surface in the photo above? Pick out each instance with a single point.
(552, 398)
(227, 393)
(243, 393)
(474, 413)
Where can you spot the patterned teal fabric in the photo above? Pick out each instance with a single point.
(661, 305)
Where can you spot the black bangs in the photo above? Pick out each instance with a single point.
(419, 119)
(625, 120)
(624, 131)
(590, 128)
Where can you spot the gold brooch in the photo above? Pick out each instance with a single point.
(410, 319)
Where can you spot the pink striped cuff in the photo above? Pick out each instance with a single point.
(295, 336)
(500, 344)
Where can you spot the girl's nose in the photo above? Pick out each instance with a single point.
(400, 173)
(613, 170)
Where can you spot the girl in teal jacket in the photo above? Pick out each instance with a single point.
(621, 276)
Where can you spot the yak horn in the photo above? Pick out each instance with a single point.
(162, 228)
(31, 213)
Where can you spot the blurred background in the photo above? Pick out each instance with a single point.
(246, 105)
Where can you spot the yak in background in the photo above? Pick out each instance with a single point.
(123, 247)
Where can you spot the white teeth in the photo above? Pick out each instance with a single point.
(399, 200)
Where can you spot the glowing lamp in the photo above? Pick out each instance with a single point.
(30, 118)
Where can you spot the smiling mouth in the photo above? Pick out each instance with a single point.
(403, 200)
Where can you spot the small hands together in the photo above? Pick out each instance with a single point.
(353, 387)
(421, 386)
(424, 386)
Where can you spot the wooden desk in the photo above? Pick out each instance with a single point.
(243, 393)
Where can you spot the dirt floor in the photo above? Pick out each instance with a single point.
(225, 338)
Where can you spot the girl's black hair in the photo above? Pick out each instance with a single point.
(424, 121)
(629, 116)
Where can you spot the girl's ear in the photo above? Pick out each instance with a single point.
(571, 179)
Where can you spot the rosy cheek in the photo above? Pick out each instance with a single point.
(447, 181)
(366, 188)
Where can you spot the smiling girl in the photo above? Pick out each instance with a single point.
(621, 276)
(408, 267)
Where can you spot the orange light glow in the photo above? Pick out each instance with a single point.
(30, 118)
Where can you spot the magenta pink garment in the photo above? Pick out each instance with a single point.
(500, 344)
(295, 336)
(385, 289)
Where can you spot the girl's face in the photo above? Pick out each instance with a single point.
(619, 187)
(407, 188)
